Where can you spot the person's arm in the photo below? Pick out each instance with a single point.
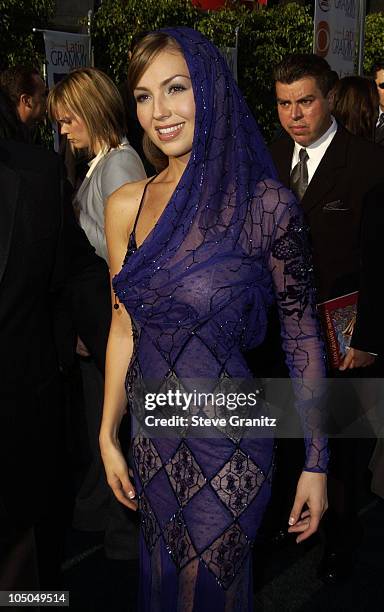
(119, 352)
(79, 276)
(289, 260)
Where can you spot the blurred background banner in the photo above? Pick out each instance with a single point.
(230, 54)
(64, 52)
(336, 33)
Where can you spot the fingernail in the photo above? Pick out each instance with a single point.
(291, 520)
(131, 495)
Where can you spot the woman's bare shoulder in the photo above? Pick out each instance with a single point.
(128, 194)
(123, 204)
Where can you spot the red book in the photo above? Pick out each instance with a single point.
(338, 318)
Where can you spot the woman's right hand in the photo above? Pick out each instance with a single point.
(116, 470)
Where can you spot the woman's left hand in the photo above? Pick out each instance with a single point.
(312, 491)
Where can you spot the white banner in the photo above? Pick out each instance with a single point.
(65, 52)
(336, 33)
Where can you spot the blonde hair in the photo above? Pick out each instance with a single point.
(91, 95)
(144, 52)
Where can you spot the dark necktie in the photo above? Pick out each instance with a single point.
(379, 131)
(299, 175)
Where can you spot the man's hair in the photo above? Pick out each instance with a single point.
(303, 65)
(376, 67)
(18, 80)
(10, 125)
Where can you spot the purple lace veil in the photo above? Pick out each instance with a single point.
(229, 158)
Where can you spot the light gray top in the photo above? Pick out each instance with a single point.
(108, 172)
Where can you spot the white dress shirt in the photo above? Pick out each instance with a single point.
(316, 150)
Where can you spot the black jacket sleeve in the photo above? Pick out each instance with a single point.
(83, 306)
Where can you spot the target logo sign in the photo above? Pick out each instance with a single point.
(322, 38)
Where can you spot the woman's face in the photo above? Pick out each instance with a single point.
(166, 104)
(74, 127)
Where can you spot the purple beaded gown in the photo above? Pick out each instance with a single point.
(229, 242)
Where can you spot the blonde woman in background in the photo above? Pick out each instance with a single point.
(89, 110)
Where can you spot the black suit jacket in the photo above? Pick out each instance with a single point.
(42, 253)
(370, 304)
(333, 205)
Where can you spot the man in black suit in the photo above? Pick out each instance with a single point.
(378, 75)
(339, 170)
(43, 252)
(330, 171)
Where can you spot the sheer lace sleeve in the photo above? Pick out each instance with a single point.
(289, 260)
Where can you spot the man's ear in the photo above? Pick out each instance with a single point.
(26, 100)
(331, 96)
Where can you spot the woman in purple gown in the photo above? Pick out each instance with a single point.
(213, 240)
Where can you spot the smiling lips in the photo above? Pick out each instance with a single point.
(169, 132)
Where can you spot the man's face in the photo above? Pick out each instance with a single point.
(379, 80)
(303, 110)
